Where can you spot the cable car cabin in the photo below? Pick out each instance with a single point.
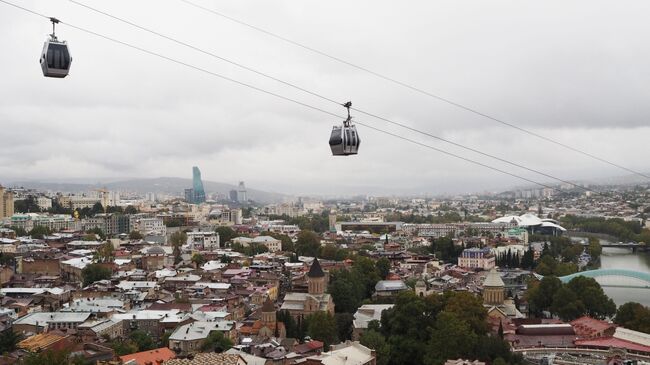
(55, 59)
(344, 140)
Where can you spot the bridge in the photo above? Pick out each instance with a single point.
(631, 245)
(631, 279)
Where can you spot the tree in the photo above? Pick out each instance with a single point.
(105, 253)
(290, 324)
(95, 272)
(47, 357)
(198, 259)
(383, 267)
(595, 249)
(178, 239)
(27, 205)
(131, 210)
(225, 234)
(308, 243)
(135, 235)
(344, 326)
(98, 231)
(38, 232)
(449, 339)
(597, 303)
(374, 340)
(217, 342)
(634, 316)
(321, 326)
(540, 296)
(8, 340)
(566, 305)
(142, 339)
(528, 259)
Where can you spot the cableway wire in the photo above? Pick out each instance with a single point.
(253, 87)
(416, 89)
(292, 85)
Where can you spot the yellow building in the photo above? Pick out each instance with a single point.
(6, 203)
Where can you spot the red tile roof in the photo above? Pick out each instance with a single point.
(608, 342)
(152, 356)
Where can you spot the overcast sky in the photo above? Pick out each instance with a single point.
(575, 71)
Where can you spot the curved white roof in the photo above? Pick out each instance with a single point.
(525, 220)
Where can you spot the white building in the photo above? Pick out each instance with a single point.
(207, 240)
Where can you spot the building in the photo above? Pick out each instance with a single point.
(208, 240)
(196, 195)
(271, 243)
(40, 321)
(366, 314)
(210, 358)
(343, 354)
(267, 326)
(6, 203)
(477, 258)
(148, 226)
(150, 357)
(242, 196)
(187, 339)
(315, 300)
(494, 298)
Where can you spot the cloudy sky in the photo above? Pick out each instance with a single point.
(575, 71)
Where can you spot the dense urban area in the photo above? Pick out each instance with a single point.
(117, 277)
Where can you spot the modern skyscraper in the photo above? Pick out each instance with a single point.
(241, 193)
(196, 195)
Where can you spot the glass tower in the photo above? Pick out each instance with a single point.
(199, 193)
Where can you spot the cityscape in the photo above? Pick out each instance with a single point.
(194, 182)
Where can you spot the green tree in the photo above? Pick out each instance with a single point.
(105, 253)
(47, 357)
(290, 324)
(344, 325)
(597, 303)
(449, 339)
(225, 234)
(198, 259)
(8, 340)
(528, 260)
(135, 235)
(38, 232)
(566, 304)
(376, 341)
(383, 267)
(95, 272)
(27, 205)
(143, 340)
(178, 239)
(217, 342)
(308, 243)
(634, 316)
(321, 326)
(540, 295)
(98, 231)
(595, 249)
(131, 210)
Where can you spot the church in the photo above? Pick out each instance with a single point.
(267, 325)
(494, 298)
(315, 300)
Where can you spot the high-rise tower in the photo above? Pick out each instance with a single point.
(198, 193)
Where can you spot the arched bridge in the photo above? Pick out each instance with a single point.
(626, 278)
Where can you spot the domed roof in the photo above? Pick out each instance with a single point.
(156, 250)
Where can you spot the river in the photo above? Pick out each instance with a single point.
(623, 258)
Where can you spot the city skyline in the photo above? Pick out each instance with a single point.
(593, 103)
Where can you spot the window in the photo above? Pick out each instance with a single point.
(58, 56)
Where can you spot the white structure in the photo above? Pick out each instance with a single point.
(207, 240)
(149, 226)
(364, 315)
(271, 243)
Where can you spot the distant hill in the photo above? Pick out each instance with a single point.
(167, 185)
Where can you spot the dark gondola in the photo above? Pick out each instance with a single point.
(55, 59)
(344, 139)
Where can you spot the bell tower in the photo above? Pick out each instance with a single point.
(316, 278)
